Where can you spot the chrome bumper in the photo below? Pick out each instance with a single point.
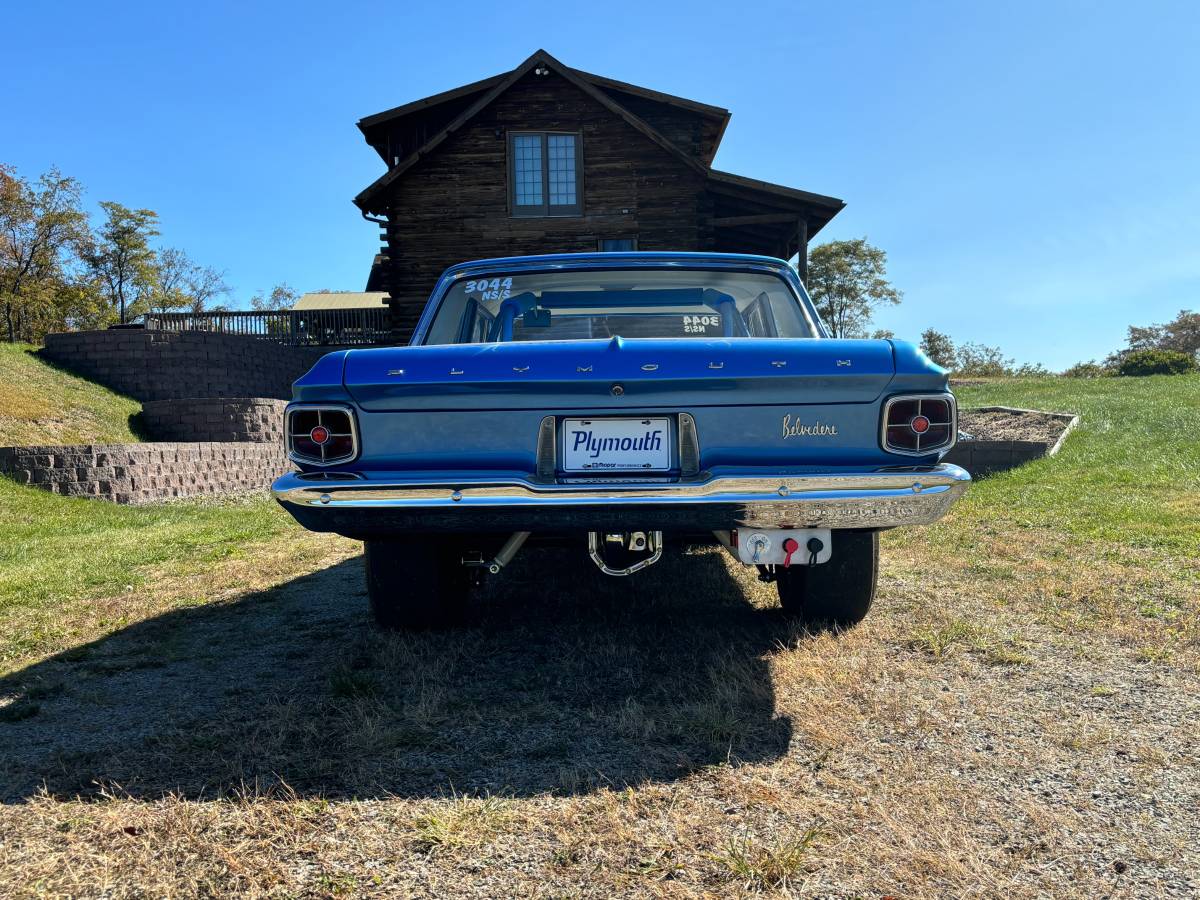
(377, 503)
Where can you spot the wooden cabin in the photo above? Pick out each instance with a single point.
(547, 159)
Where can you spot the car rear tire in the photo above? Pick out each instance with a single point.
(837, 593)
(413, 586)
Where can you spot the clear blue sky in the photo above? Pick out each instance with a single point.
(1032, 169)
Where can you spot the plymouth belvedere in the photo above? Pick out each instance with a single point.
(619, 402)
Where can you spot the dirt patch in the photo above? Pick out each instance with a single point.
(1012, 425)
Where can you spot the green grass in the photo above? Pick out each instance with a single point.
(769, 864)
(1126, 481)
(60, 552)
(1128, 475)
(42, 404)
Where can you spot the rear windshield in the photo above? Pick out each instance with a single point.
(631, 303)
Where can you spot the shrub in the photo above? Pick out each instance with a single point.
(982, 361)
(1089, 369)
(1157, 362)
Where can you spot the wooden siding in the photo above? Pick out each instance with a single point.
(453, 205)
(396, 140)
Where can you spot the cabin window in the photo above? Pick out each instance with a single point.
(617, 245)
(545, 174)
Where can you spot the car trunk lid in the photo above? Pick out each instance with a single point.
(619, 374)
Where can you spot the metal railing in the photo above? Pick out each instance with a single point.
(297, 328)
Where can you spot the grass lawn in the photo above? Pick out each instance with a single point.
(193, 704)
(70, 568)
(1130, 475)
(42, 404)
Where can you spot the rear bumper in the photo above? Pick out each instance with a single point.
(391, 503)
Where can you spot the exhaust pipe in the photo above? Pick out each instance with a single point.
(514, 543)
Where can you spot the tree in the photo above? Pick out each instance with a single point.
(179, 283)
(40, 224)
(282, 296)
(121, 257)
(168, 285)
(205, 284)
(847, 281)
(939, 348)
(1181, 334)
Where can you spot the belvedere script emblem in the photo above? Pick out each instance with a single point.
(800, 429)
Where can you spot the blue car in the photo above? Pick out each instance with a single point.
(620, 402)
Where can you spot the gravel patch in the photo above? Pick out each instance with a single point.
(584, 736)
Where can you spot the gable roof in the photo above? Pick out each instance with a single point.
(477, 87)
(705, 109)
(396, 112)
(365, 198)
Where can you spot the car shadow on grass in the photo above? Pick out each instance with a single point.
(563, 680)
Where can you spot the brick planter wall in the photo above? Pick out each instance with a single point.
(256, 419)
(172, 365)
(986, 457)
(145, 473)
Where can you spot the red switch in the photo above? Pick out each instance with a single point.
(790, 546)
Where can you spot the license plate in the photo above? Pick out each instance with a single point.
(616, 445)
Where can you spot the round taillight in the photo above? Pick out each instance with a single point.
(919, 424)
(320, 434)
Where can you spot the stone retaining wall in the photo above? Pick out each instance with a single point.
(255, 419)
(145, 473)
(172, 365)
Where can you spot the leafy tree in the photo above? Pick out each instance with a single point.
(939, 348)
(168, 284)
(121, 257)
(204, 285)
(847, 281)
(41, 224)
(1182, 335)
(282, 296)
(179, 283)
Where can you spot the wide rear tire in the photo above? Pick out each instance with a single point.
(414, 585)
(837, 593)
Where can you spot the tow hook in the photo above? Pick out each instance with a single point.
(625, 543)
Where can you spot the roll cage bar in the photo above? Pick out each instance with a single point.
(528, 305)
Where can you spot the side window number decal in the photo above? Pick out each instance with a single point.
(700, 324)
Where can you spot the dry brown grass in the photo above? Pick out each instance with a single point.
(979, 735)
(42, 404)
